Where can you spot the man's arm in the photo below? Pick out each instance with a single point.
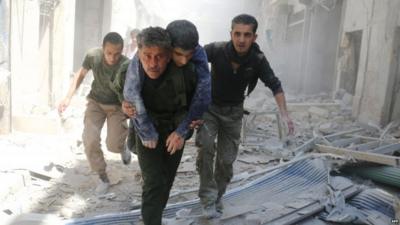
(281, 102)
(132, 94)
(76, 82)
(270, 80)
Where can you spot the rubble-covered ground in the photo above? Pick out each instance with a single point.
(49, 174)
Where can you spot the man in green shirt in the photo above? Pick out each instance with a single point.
(103, 104)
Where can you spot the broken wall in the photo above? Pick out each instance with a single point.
(378, 59)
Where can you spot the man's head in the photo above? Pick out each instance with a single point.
(133, 34)
(185, 38)
(112, 48)
(243, 33)
(155, 47)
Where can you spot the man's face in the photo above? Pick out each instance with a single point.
(112, 53)
(181, 57)
(154, 60)
(242, 36)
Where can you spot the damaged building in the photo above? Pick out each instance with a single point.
(338, 61)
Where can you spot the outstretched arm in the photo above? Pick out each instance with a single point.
(76, 82)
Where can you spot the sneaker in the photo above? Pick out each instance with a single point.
(209, 211)
(126, 156)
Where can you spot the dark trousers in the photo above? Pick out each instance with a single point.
(221, 123)
(158, 172)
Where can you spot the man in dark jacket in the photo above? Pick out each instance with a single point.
(167, 91)
(235, 66)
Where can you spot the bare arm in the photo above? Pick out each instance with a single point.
(281, 102)
(76, 82)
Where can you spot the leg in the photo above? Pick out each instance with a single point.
(116, 128)
(205, 159)
(152, 165)
(117, 132)
(93, 122)
(227, 148)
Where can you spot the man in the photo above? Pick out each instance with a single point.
(102, 105)
(167, 92)
(235, 66)
(186, 48)
(131, 48)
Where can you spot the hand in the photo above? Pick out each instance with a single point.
(150, 144)
(196, 124)
(289, 124)
(63, 105)
(174, 142)
(129, 109)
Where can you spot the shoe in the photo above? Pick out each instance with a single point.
(219, 207)
(209, 211)
(126, 156)
(102, 188)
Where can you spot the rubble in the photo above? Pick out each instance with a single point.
(60, 182)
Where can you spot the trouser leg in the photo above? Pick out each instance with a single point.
(93, 123)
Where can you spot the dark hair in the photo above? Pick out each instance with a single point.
(183, 34)
(154, 36)
(245, 19)
(113, 38)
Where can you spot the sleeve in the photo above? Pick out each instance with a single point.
(267, 76)
(88, 61)
(132, 93)
(202, 95)
(119, 81)
(209, 49)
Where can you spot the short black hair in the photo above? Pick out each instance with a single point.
(113, 38)
(154, 36)
(183, 34)
(245, 19)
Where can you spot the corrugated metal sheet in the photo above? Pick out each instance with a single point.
(304, 182)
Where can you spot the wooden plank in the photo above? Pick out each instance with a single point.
(363, 156)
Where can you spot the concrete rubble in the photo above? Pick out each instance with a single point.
(49, 174)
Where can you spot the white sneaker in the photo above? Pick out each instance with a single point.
(102, 188)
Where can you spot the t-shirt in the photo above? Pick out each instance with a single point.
(103, 75)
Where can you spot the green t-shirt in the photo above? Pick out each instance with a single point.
(103, 75)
